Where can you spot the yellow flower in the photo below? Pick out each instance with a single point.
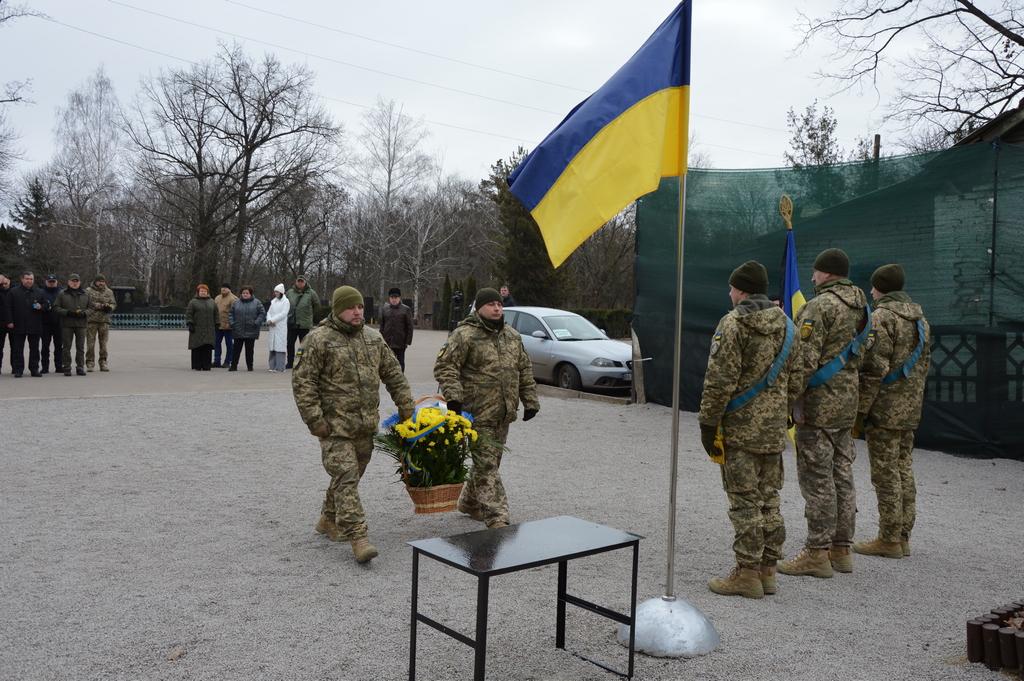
(441, 430)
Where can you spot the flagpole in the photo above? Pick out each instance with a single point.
(676, 367)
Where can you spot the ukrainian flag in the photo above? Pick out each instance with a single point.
(615, 146)
(792, 298)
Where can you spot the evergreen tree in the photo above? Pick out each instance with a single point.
(10, 249)
(470, 291)
(524, 262)
(35, 215)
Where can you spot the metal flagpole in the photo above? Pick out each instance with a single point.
(673, 483)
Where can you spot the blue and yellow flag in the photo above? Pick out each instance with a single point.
(792, 298)
(615, 146)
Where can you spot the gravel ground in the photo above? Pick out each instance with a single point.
(170, 537)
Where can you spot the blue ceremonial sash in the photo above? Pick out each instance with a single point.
(825, 373)
(908, 366)
(769, 378)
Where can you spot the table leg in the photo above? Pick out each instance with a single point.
(412, 621)
(632, 609)
(482, 587)
(560, 608)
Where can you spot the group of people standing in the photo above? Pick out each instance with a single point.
(837, 371)
(55, 318)
(483, 368)
(233, 324)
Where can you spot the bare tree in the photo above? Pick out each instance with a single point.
(176, 130)
(812, 137)
(602, 267)
(392, 168)
(275, 125)
(87, 169)
(965, 63)
(10, 92)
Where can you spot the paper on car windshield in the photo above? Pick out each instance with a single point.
(562, 333)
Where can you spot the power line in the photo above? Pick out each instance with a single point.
(405, 47)
(336, 61)
(334, 99)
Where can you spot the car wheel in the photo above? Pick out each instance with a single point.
(568, 377)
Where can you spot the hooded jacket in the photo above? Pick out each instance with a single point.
(488, 370)
(746, 343)
(826, 325)
(277, 312)
(337, 379)
(301, 306)
(896, 405)
(106, 301)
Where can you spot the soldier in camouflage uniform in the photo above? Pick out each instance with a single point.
(336, 383)
(101, 305)
(891, 394)
(484, 369)
(825, 414)
(745, 347)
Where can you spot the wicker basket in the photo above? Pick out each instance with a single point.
(438, 499)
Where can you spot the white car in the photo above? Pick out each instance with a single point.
(569, 351)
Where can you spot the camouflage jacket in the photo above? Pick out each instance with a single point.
(745, 345)
(487, 370)
(337, 379)
(105, 299)
(896, 406)
(826, 324)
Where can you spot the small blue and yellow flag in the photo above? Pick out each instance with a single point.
(792, 298)
(615, 146)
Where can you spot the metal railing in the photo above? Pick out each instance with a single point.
(147, 321)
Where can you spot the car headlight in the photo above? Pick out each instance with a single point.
(604, 362)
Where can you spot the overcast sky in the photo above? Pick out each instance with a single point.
(539, 56)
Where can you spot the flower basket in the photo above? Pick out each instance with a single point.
(430, 451)
(436, 499)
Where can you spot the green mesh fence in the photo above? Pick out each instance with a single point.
(954, 219)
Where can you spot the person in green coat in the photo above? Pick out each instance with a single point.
(72, 306)
(201, 318)
(302, 304)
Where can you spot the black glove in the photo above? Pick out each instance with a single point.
(455, 406)
(529, 414)
(707, 438)
(191, 328)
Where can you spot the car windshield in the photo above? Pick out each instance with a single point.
(573, 328)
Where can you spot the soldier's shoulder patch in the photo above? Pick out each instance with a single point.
(806, 328)
(716, 342)
(871, 339)
(444, 346)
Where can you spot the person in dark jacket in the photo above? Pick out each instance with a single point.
(246, 316)
(28, 309)
(51, 329)
(302, 304)
(201, 319)
(72, 305)
(506, 297)
(6, 323)
(396, 325)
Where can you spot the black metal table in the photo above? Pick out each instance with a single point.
(489, 553)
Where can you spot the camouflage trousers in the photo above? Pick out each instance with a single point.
(94, 332)
(892, 457)
(752, 483)
(345, 460)
(824, 464)
(484, 492)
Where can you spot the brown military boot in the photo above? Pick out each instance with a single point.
(841, 558)
(808, 563)
(741, 581)
(905, 545)
(877, 547)
(363, 550)
(473, 512)
(327, 527)
(768, 581)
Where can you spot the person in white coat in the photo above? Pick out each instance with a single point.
(277, 320)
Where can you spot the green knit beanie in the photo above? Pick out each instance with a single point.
(750, 277)
(889, 278)
(484, 296)
(344, 298)
(833, 261)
